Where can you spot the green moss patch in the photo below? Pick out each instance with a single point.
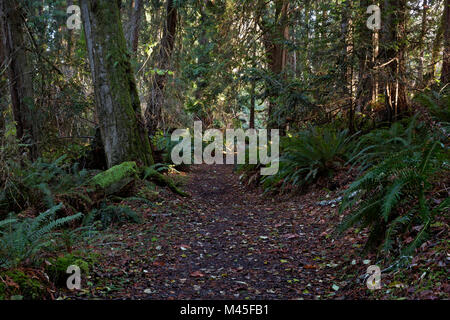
(57, 267)
(116, 178)
(115, 174)
(16, 284)
(148, 191)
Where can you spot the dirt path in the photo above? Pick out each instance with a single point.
(226, 242)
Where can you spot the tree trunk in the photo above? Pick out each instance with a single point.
(375, 81)
(347, 72)
(365, 53)
(275, 49)
(3, 83)
(20, 74)
(134, 22)
(69, 37)
(253, 87)
(431, 72)
(252, 105)
(421, 43)
(392, 57)
(158, 81)
(117, 102)
(445, 74)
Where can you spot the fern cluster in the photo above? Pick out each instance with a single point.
(36, 184)
(376, 145)
(111, 214)
(438, 103)
(23, 239)
(391, 196)
(312, 153)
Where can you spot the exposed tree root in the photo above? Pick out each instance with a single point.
(152, 174)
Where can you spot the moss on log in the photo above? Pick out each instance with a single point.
(116, 178)
(161, 179)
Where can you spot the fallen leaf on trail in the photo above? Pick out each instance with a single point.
(197, 274)
(310, 266)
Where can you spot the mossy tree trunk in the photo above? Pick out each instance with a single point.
(117, 102)
(20, 73)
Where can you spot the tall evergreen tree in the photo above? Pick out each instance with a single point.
(20, 74)
(117, 101)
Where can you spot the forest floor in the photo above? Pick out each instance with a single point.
(228, 241)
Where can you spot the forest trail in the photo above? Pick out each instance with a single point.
(225, 242)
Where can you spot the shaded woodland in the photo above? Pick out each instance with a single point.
(91, 91)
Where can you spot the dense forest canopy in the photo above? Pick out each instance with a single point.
(91, 91)
(224, 62)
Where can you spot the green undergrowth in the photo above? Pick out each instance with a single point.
(115, 175)
(305, 156)
(49, 208)
(56, 268)
(17, 284)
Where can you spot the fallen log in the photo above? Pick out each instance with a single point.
(117, 179)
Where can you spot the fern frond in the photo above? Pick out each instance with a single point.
(392, 197)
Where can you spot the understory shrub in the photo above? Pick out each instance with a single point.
(36, 184)
(391, 197)
(57, 267)
(438, 104)
(18, 285)
(22, 240)
(112, 214)
(378, 144)
(308, 155)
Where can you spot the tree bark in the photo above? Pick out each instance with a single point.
(3, 83)
(421, 43)
(69, 37)
(252, 105)
(365, 54)
(276, 50)
(431, 72)
(347, 69)
(392, 55)
(375, 81)
(155, 101)
(253, 88)
(133, 25)
(117, 102)
(20, 75)
(445, 74)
